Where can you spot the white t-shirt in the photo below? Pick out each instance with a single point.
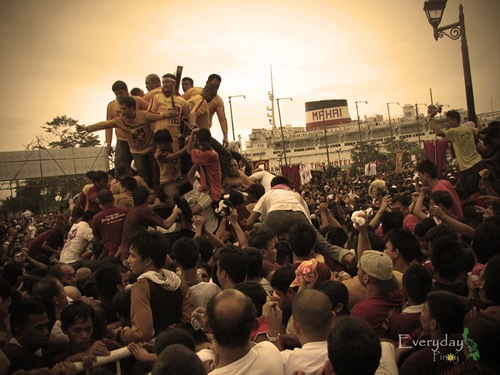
(264, 178)
(307, 359)
(202, 292)
(281, 200)
(263, 359)
(79, 237)
(267, 286)
(387, 364)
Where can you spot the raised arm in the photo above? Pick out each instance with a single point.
(233, 220)
(434, 126)
(326, 217)
(97, 126)
(363, 239)
(386, 201)
(190, 144)
(417, 210)
(169, 221)
(460, 227)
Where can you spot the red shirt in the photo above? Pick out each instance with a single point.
(456, 208)
(211, 176)
(137, 218)
(403, 324)
(107, 225)
(54, 239)
(410, 222)
(378, 310)
(268, 267)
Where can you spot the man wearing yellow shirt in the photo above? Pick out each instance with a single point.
(122, 150)
(215, 106)
(464, 140)
(153, 85)
(187, 83)
(136, 127)
(198, 104)
(174, 106)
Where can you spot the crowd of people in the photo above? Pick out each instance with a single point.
(198, 265)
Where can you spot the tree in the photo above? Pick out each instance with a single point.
(45, 195)
(365, 152)
(62, 134)
(42, 195)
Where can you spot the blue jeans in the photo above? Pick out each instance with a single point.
(144, 165)
(122, 153)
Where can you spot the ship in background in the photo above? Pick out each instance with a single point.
(330, 134)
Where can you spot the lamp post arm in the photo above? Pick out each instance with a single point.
(454, 33)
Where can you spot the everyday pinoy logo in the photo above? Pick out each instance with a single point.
(444, 349)
(471, 345)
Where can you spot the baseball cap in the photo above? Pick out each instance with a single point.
(378, 265)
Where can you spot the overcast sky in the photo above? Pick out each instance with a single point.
(61, 57)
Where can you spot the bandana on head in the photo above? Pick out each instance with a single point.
(306, 271)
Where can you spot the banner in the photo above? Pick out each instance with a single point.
(436, 151)
(399, 161)
(293, 174)
(261, 164)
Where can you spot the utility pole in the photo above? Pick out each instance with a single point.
(418, 123)
(281, 127)
(357, 113)
(270, 94)
(326, 143)
(389, 112)
(231, 110)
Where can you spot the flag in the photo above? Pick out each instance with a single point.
(436, 151)
(292, 173)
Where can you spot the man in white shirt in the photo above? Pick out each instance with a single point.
(312, 319)
(281, 208)
(78, 240)
(231, 318)
(186, 252)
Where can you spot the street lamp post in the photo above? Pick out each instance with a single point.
(434, 10)
(231, 110)
(418, 123)
(389, 112)
(357, 113)
(281, 127)
(326, 144)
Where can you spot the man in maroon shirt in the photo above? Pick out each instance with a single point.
(427, 173)
(140, 217)
(49, 242)
(417, 282)
(30, 330)
(100, 180)
(107, 225)
(383, 296)
(210, 186)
